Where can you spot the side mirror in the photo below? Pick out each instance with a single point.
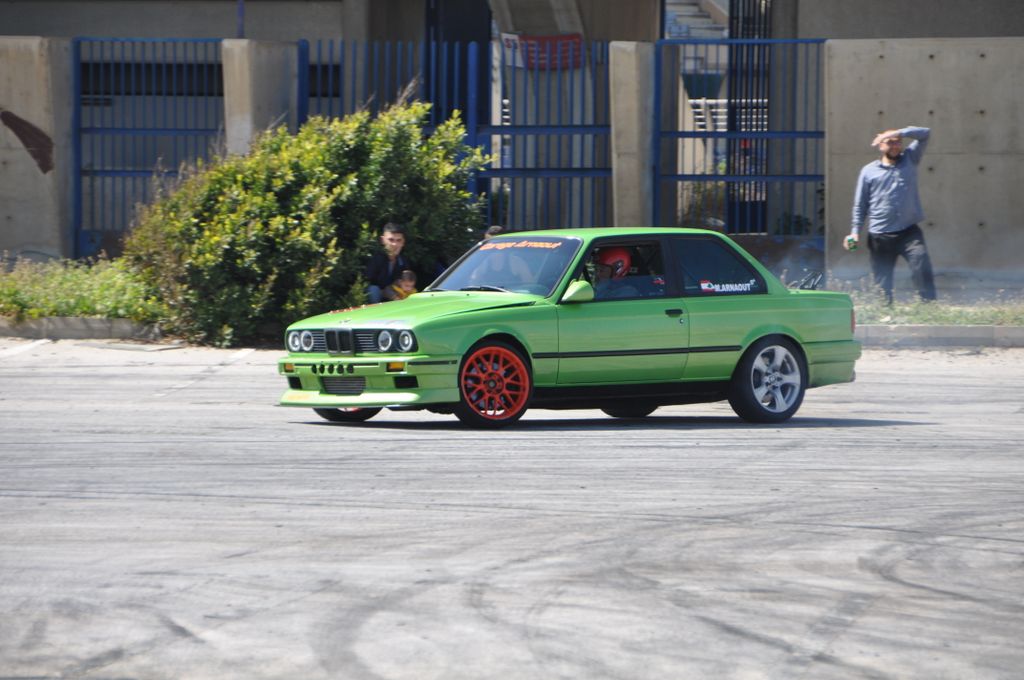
(578, 291)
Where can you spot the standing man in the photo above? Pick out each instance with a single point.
(886, 199)
(386, 267)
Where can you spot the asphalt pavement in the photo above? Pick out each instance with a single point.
(160, 518)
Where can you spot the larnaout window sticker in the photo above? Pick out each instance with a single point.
(707, 286)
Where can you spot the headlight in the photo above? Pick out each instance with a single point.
(385, 340)
(293, 341)
(406, 341)
(306, 341)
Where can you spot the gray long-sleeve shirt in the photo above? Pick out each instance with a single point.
(886, 198)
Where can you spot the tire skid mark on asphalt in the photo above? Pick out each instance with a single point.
(337, 643)
(174, 634)
(801, 657)
(529, 625)
(887, 561)
(735, 519)
(206, 373)
(831, 626)
(908, 531)
(93, 663)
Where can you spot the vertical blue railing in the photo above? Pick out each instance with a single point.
(142, 108)
(746, 153)
(547, 132)
(550, 135)
(347, 76)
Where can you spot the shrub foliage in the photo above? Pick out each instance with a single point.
(248, 244)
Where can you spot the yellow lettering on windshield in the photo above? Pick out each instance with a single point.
(503, 245)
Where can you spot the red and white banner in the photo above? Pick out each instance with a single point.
(543, 52)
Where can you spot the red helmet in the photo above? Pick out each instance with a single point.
(617, 258)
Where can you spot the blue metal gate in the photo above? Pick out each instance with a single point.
(539, 110)
(142, 108)
(549, 134)
(744, 150)
(538, 107)
(345, 77)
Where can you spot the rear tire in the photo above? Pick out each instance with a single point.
(769, 382)
(346, 415)
(494, 385)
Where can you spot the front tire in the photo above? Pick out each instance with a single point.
(494, 385)
(769, 383)
(346, 415)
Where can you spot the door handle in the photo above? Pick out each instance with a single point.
(673, 312)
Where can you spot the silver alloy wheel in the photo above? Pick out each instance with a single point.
(775, 378)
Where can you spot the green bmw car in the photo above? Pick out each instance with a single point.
(621, 319)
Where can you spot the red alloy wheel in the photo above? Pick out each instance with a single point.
(494, 384)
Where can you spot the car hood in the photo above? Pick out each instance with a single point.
(416, 309)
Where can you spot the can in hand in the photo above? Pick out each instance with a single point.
(851, 243)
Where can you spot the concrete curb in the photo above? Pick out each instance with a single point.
(940, 336)
(88, 328)
(77, 328)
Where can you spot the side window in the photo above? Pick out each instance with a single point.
(623, 271)
(711, 268)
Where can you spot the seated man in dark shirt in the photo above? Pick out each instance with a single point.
(386, 266)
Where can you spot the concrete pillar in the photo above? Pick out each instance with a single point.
(36, 166)
(260, 89)
(632, 82)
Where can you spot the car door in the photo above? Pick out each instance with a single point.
(635, 334)
(723, 299)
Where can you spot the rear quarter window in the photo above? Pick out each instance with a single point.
(709, 267)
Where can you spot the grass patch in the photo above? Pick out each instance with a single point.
(996, 311)
(100, 288)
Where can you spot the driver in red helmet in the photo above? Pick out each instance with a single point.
(611, 266)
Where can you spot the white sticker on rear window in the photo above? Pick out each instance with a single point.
(707, 286)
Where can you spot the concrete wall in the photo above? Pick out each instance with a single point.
(35, 147)
(848, 19)
(401, 20)
(637, 20)
(36, 163)
(264, 19)
(971, 93)
(271, 20)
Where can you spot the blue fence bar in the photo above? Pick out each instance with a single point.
(540, 112)
(142, 108)
(348, 76)
(549, 135)
(746, 152)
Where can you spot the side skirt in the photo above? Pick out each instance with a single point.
(660, 394)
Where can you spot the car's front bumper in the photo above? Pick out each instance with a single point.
(322, 381)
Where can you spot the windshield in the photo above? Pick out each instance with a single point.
(510, 264)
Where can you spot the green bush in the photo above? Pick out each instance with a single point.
(102, 288)
(248, 244)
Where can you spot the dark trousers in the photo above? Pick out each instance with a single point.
(909, 244)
